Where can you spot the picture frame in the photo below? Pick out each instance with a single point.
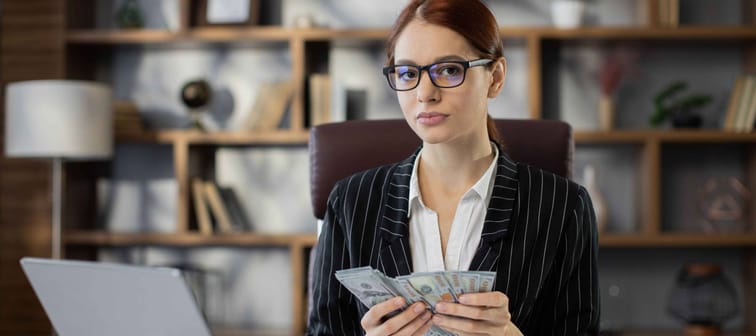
(227, 12)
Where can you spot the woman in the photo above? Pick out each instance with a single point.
(458, 203)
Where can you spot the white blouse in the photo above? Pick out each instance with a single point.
(466, 228)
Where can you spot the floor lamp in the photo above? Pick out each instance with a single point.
(58, 120)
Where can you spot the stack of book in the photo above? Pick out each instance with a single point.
(668, 12)
(320, 99)
(270, 106)
(741, 111)
(218, 209)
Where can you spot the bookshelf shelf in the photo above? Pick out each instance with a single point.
(678, 240)
(103, 238)
(214, 34)
(676, 33)
(101, 36)
(278, 137)
(282, 34)
(283, 137)
(664, 136)
(224, 34)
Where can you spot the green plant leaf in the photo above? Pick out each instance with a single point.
(669, 91)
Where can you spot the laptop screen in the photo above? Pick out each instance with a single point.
(85, 298)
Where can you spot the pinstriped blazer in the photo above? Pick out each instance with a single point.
(539, 236)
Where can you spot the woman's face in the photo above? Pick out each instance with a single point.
(445, 115)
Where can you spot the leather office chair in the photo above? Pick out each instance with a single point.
(338, 150)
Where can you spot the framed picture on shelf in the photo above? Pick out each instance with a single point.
(227, 12)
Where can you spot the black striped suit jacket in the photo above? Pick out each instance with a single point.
(539, 236)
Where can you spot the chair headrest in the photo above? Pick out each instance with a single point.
(338, 150)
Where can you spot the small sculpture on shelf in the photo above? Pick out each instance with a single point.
(703, 298)
(682, 111)
(723, 203)
(196, 95)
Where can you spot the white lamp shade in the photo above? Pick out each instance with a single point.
(58, 118)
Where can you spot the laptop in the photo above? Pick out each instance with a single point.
(83, 298)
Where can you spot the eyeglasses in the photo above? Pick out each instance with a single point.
(447, 74)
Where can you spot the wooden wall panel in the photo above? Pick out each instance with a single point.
(31, 47)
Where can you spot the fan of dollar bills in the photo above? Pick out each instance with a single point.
(372, 287)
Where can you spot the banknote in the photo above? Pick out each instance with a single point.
(425, 284)
(469, 282)
(486, 281)
(371, 287)
(455, 281)
(368, 286)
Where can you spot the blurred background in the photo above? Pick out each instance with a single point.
(210, 105)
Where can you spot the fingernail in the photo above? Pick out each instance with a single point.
(437, 319)
(399, 302)
(464, 299)
(425, 316)
(441, 307)
(418, 308)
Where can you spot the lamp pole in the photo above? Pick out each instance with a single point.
(57, 204)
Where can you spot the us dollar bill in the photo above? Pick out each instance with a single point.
(368, 286)
(372, 287)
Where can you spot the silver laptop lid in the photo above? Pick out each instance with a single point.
(90, 298)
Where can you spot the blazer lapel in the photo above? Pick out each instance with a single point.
(395, 255)
(498, 216)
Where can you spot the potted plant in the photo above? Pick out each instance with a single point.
(682, 110)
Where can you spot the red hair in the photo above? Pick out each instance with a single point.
(470, 18)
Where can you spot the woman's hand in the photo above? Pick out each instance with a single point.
(415, 320)
(477, 314)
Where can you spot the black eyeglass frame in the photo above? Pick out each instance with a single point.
(465, 65)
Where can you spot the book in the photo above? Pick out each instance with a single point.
(204, 225)
(270, 106)
(750, 109)
(663, 12)
(320, 99)
(732, 107)
(217, 208)
(673, 14)
(239, 219)
(745, 101)
(668, 13)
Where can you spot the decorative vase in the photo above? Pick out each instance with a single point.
(567, 14)
(606, 113)
(599, 202)
(703, 298)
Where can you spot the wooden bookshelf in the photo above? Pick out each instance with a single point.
(308, 49)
